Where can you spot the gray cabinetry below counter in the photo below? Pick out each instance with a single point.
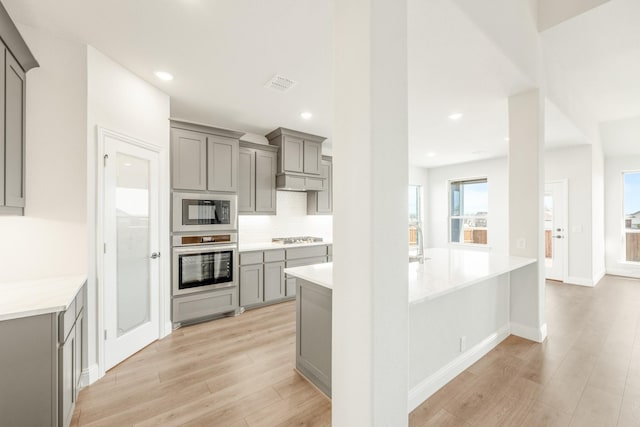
(257, 179)
(262, 278)
(41, 366)
(203, 158)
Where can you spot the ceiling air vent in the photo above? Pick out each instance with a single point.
(280, 83)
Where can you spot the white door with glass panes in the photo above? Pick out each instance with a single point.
(131, 236)
(555, 229)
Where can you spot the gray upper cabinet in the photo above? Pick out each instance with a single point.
(257, 179)
(15, 60)
(188, 160)
(321, 202)
(222, 160)
(203, 158)
(299, 159)
(292, 154)
(312, 156)
(246, 180)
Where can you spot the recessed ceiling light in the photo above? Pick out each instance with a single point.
(127, 164)
(306, 115)
(431, 154)
(455, 116)
(163, 75)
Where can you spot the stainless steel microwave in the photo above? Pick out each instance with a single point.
(204, 212)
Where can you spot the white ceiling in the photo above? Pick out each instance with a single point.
(223, 52)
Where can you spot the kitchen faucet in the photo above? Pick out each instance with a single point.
(419, 239)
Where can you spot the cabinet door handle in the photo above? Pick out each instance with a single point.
(155, 255)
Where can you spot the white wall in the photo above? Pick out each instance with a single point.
(574, 165)
(291, 220)
(50, 240)
(614, 166)
(437, 209)
(120, 101)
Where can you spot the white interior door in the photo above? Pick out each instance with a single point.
(131, 236)
(555, 229)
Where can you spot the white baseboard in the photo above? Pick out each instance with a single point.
(529, 333)
(635, 273)
(597, 277)
(580, 281)
(435, 382)
(168, 329)
(90, 375)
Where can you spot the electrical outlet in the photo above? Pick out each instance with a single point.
(521, 244)
(463, 344)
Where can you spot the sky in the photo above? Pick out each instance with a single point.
(476, 198)
(631, 192)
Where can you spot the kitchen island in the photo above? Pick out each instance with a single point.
(458, 311)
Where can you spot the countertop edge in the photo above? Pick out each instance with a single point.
(57, 307)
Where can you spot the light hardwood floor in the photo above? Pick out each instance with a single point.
(239, 372)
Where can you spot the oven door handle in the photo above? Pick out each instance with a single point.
(204, 248)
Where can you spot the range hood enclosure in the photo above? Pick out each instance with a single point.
(299, 160)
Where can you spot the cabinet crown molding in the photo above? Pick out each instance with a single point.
(204, 128)
(15, 43)
(284, 131)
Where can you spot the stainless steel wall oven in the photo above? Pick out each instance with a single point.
(204, 262)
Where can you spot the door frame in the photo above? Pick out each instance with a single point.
(565, 247)
(164, 297)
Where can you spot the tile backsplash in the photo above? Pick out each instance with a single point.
(291, 220)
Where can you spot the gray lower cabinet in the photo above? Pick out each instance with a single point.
(41, 367)
(274, 284)
(313, 333)
(251, 284)
(262, 278)
(321, 202)
(195, 307)
(257, 179)
(203, 158)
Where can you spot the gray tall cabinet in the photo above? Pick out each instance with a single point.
(15, 60)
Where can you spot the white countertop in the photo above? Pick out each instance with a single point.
(447, 270)
(35, 297)
(248, 247)
(320, 274)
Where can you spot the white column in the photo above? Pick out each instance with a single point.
(526, 192)
(370, 295)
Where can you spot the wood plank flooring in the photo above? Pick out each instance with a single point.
(239, 372)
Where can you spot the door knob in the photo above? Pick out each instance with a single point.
(155, 255)
(559, 236)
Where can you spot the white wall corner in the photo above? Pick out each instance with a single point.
(580, 281)
(442, 376)
(526, 332)
(598, 276)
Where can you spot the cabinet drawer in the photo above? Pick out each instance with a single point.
(306, 252)
(65, 322)
(251, 258)
(306, 261)
(193, 307)
(271, 256)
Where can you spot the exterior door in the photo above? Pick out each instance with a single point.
(555, 230)
(131, 235)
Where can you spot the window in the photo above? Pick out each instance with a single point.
(468, 208)
(414, 213)
(632, 216)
